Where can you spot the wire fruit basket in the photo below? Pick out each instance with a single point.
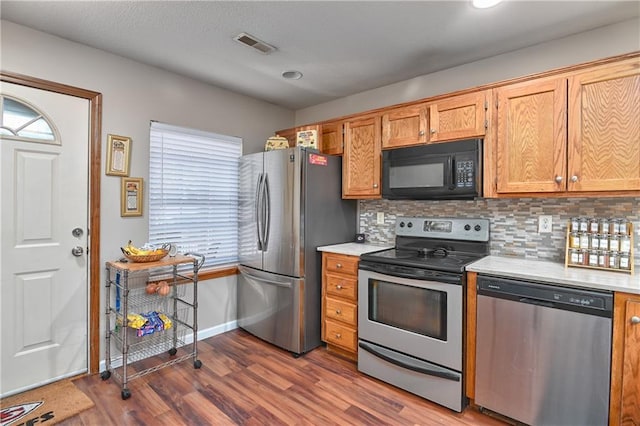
(143, 258)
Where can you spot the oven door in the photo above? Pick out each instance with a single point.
(419, 318)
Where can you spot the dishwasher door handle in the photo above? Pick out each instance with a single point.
(537, 302)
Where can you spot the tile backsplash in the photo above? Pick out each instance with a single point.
(514, 222)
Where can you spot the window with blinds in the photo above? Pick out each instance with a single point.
(193, 192)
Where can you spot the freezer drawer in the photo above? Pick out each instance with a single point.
(269, 307)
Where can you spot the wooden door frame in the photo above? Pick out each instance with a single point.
(95, 156)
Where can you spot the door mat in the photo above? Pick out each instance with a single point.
(48, 404)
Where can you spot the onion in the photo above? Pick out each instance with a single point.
(163, 288)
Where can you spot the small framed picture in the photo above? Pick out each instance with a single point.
(131, 197)
(118, 153)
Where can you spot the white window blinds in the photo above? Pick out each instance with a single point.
(193, 192)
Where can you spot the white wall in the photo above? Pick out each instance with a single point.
(600, 43)
(134, 94)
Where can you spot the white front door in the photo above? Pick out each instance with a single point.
(43, 217)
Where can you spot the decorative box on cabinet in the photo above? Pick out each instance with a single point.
(289, 134)
(340, 303)
(164, 338)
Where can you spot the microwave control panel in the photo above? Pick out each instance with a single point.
(465, 174)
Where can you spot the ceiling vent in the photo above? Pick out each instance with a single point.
(251, 41)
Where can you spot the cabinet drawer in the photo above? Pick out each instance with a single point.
(342, 286)
(341, 311)
(342, 264)
(342, 336)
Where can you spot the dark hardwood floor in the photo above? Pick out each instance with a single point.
(246, 381)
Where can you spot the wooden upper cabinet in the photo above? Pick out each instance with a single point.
(531, 146)
(289, 134)
(577, 134)
(404, 126)
(361, 158)
(458, 117)
(332, 140)
(604, 128)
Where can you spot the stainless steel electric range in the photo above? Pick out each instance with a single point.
(410, 314)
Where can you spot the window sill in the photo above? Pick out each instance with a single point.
(213, 273)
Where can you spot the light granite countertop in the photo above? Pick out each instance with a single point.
(556, 273)
(353, 249)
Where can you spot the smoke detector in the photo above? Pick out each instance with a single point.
(254, 43)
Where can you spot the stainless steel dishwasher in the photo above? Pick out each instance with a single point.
(543, 352)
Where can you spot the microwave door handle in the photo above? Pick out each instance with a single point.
(451, 163)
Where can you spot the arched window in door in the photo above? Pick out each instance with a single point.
(19, 120)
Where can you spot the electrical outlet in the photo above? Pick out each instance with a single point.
(380, 218)
(544, 224)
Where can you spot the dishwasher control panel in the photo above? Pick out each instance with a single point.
(546, 294)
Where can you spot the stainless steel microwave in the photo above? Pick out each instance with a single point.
(449, 170)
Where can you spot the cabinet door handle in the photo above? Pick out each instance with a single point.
(558, 179)
(574, 178)
(433, 131)
(635, 320)
(421, 133)
(375, 185)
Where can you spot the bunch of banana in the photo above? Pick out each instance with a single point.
(130, 249)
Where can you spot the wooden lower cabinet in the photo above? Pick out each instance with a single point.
(340, 304)
(625, 361)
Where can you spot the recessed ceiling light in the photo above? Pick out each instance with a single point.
(484, 4)
(292, 75)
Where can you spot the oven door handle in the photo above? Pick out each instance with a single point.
(406, 362)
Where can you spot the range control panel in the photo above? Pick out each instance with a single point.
(448, 228)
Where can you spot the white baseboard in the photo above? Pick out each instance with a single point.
(116, 361)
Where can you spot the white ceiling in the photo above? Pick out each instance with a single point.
(341, 47)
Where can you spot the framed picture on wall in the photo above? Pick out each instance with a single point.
(131, 196)
(118, 153)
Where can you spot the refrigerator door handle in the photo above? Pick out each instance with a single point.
(258, 211)
(262, 279)
(267, 207)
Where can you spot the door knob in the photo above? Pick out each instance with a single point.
(635, 320)
(574, 178)
(433, 131)
(77, 251)
(558, 179)
(375, 185)
(421, 133)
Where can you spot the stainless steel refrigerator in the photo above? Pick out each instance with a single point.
(290, 203)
